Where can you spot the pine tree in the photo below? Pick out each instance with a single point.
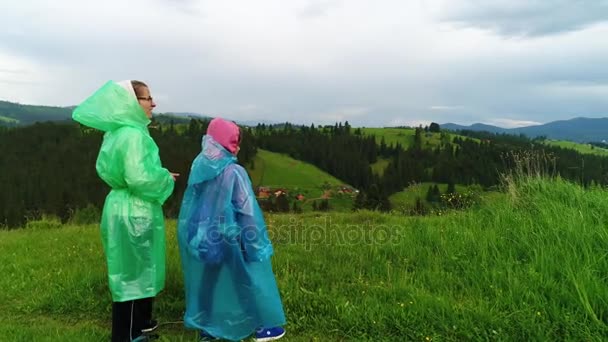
(429, 194)
(419, 208)
(385, 204)
(360, 201)
(451, 188)
(436, 194)
(417, 139)
(282, 203)
(382, 151)
(373, 197)
(434, 127)
(324, 206)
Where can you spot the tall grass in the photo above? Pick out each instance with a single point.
(528, 266)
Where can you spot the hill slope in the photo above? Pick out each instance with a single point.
(578, 129)
(528, 267)
(280, 170)
(12, 114)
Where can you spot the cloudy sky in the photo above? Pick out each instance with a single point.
(371, 62)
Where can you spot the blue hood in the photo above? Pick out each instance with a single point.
(212, 160)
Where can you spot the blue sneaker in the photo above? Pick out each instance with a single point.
(204, 336)
(270, 334)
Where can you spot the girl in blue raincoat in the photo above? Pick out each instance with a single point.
(230, 288)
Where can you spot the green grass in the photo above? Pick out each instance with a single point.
(408, 196)
(582, 148)
(7, 119)
(280, 170)
(277, 170)
(380, 165)
(405, 136)
(529, 266)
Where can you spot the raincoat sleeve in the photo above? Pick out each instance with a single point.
(255, 242)
(144, 174)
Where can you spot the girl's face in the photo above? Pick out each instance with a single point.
(146, 101)
(238, 147)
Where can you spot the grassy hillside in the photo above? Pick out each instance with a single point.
(277, 170)
(15, 113)
(405, 136)
(528, 267)
(582, 148)
(8, 120)
(380, 165)
(408, 196)
(405, 200)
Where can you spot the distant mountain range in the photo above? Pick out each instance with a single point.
(577, 129)
(16, 114)
(188, 115)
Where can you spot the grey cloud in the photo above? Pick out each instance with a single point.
(316, 8)
(218, 69)
(20, 82)
(12, 71)
(527, 17)
(188, 7)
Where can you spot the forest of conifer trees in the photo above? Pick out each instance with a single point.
(49, 168)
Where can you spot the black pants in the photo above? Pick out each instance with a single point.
(128, 318)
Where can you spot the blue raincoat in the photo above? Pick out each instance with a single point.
(225, 250)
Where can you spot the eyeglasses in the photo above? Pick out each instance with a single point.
(149, 98)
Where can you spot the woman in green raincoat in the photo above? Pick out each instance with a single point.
(132, 224)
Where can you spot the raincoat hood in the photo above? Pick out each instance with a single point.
(112, 106)
(225, 132)
(210, 162)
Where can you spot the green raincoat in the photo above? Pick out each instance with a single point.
(132, 223)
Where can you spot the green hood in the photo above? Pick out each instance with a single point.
(109, 108)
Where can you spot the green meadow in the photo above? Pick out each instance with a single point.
(530, 265)
(405, 136)
(279, 171)
(8, 119)
(380, 165)
(408, 196)
(582, 148)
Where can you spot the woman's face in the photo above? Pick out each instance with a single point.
(146, 101)
(238, 147)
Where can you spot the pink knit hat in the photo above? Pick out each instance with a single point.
(225, 132)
